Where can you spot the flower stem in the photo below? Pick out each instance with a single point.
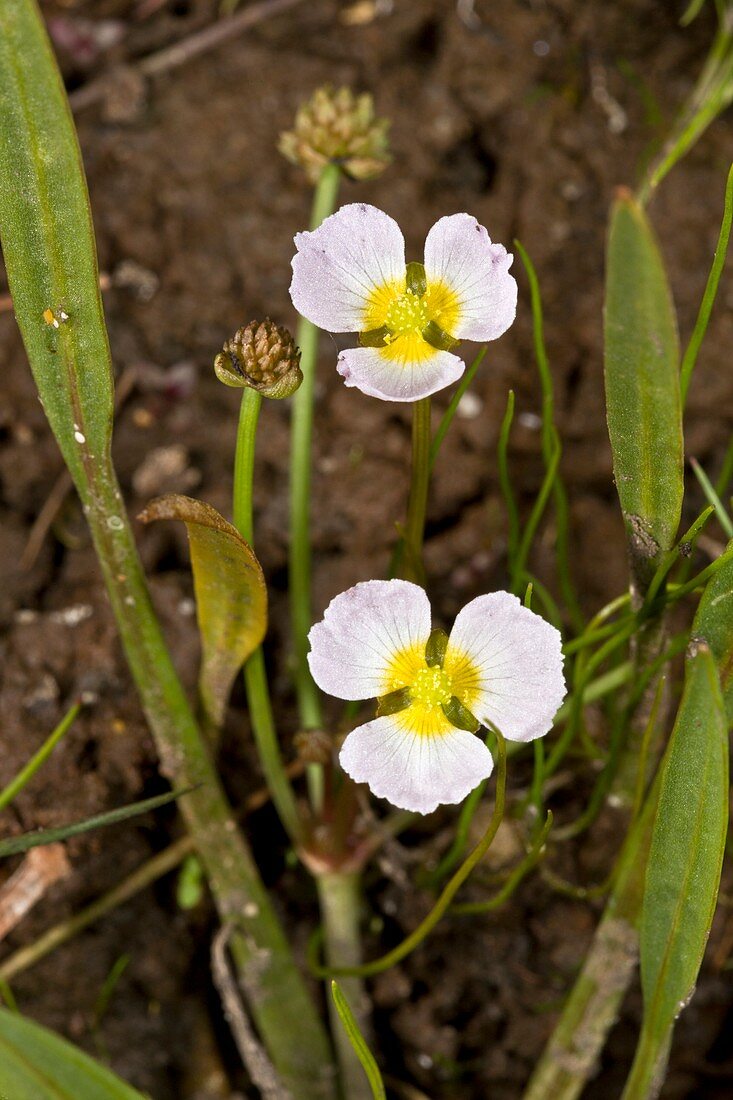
(339, 895)
(412, 564)
(309, 705)
(255, 676)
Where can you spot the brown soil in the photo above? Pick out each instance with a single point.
(528, 118)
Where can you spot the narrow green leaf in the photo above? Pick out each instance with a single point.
(711, 289)
(48, 242)
(24, 776)
(358, 1042)
(714, 625)
(231, 598)
(19, 844)
(36, 1064)
(683, 871)
(642, 389)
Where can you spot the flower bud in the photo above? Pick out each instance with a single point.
(338, 126)
(263, 357)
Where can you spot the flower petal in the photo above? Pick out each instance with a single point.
(506, 665)
(406, 370)
(353, 649)
(412, 770)
(340, 266)
(469, 276)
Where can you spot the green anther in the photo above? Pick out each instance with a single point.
(460, 716)
(375, 337)
(394, 702)
(435, 336)
(435, 649)
(416, 281)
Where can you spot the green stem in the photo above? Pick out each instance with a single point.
(450, 412)
(590, 1011)
(339, 895)
(277, 995)
(711, 290)
(377, 966)
(255, 675)
(412, 563)
(309, 705)
(16, 785)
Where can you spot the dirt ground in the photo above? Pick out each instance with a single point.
(527, 114)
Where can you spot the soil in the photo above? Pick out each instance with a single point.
(528, 115)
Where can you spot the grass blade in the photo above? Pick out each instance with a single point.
(711, 289)
(18, 844)
(683, 871)
(35, 1064)
(642, 389)
(363, 1053)
(24, 776)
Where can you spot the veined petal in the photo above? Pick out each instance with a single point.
(408, 369)
(415, 770)
(365, 634)
(506, 665)
(341, 267)
(468, 278)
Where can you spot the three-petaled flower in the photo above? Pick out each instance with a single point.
(501, 666)
(350, 275)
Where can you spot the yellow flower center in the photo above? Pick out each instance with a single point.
(407, 313)
(431, 687)
(403, 315)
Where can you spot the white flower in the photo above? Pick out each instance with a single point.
(501, 664)
(350, 275)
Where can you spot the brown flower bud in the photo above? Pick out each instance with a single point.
(336, 126)
(263, 357)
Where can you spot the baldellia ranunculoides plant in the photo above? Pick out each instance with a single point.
(451, 704)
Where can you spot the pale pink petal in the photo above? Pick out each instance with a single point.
(460, 256)
(415, 771)
(509, 661)
(338, 266)
(393, 378)
(362, 631)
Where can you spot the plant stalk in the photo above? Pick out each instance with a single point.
(571, 1056)
(278, 999)
(255, 675)
(309, 704)
(412, 567)
(339, 895)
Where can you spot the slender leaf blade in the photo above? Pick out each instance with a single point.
(714, 625)
(231, 598)
(17, 844)
(48, 241)
(685, 860)
(642, 389)
(358, 1042)
(36, 1064)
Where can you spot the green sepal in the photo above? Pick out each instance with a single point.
(435, 336)
(394, 702)
(375, 337)
(416, 281)
(435, 649)
(460, 716)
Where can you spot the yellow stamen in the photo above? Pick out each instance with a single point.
(406, 314)
(431, 688)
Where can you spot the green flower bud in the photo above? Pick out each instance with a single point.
(263, 357)
(338, 126)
